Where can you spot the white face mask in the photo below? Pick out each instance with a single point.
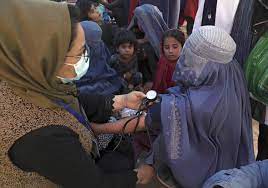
(80, 68)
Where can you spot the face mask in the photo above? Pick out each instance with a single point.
(80, 68)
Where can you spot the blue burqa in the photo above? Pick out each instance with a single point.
(206, 119)
(169, 8)
(100, 77)
(151, 21)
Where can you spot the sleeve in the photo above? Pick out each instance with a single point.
(246, 177)
(56, 153)
(98, 108)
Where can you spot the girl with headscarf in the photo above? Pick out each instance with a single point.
(46, 138)
(172, 43)
(204, 121)
(149, 26)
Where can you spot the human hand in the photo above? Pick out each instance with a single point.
(134, 99)
(145, 174)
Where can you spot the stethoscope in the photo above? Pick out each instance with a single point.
(151, 98)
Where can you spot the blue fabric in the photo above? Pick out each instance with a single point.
(169, 8)
(100, 77)
(151, 22)
(242, 30)
(206, 119)
(251, 176)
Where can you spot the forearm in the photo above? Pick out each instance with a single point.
(117, 127)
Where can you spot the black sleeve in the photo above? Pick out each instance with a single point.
(56, 153)
(98, 108)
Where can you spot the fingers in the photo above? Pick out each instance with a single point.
(139, 94)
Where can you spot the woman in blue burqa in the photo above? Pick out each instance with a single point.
(169, 8)
(205, 121)
(149, 26)
(100, 77)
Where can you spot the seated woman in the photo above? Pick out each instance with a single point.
(149, 27)
(46, 138)
(169, 8)
(100, 77)
(205, 120)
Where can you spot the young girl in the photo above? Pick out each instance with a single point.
(172, 43)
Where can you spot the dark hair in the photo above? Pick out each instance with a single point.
(125, 36)
(85, 6)
(74, 17)
(175, 33)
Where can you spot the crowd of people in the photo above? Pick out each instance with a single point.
(74, 77)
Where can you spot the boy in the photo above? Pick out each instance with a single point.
(125, 61)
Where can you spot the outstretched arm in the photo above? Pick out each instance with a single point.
(117, 127)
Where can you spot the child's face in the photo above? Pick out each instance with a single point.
(172, 49)
(94, 14)
(126, 50)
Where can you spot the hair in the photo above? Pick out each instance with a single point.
(175, 33)
(74, 17)
(125, 36)
(85, 6)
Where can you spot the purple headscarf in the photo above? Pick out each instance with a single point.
(206, 121)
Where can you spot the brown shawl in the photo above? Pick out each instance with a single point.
(35, 36)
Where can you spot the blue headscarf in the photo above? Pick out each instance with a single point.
(100, 77)
(151, 21)
(206, 120)
(169, 8)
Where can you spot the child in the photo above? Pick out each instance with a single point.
(125, 61)
(90, 11)
(172, 43)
